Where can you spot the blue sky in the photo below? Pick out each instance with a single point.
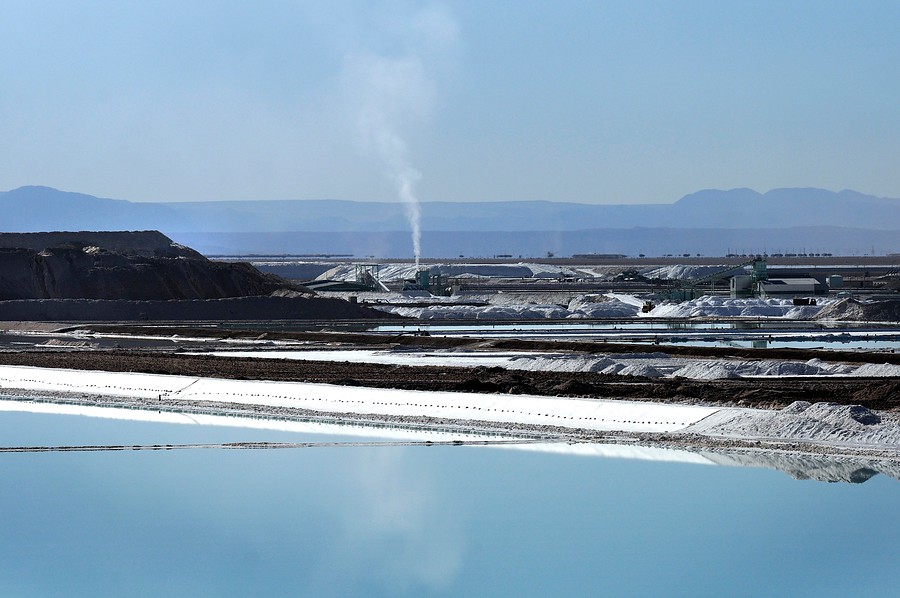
(594, 102)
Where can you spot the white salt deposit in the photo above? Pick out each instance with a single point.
(682, 272)
(470, 312)
(777, 368)
(615, 305)
(820, 422)
(720, 369)
(601, 306)
(650, 365)
(591, 414)
(558, 363)
(711, 306)
(877, 370)
(706, 370)
(518, 307)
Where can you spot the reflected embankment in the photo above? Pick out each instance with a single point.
(808, 467)
(187, 431)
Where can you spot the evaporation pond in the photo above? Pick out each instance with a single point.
(419, 520)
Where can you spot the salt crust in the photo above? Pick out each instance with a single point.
(649, 365)
(821, 422)
(520, 409)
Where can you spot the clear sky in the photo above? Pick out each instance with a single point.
(594, 102)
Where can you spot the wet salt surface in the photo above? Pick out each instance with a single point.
(387, 521)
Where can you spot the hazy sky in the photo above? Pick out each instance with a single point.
(596, 102)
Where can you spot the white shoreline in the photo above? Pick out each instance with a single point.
(826, 427)
(589, 414)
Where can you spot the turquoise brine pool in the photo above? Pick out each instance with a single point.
(418, 520)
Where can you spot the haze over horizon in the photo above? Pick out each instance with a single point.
(610, 103)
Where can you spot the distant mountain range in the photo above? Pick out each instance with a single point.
(708, 222)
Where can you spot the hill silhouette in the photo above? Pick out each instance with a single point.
(815, 217)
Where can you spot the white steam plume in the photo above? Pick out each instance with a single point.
(392, 93)
(390, 84)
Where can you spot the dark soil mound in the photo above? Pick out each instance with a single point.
(119, 265)
(234, 308)
(148, 243)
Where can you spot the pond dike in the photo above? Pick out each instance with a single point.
(512, 410)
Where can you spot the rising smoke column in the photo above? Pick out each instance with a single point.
(392, 93)
(391, 86)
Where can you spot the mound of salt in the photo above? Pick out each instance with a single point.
(779, 368)
(604, 310)
(705, 370)
(830, 368)
(614, 368)
(841, 415)
(796, 407)
(844, 424)
(601, 364)
(560, 363)
(877, 369)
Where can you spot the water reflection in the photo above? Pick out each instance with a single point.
(809, 467)
(413, 521)
(402, 521)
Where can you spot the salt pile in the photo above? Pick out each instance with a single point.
(821, 422)
(601, 306)
(682, 272)
(501, 308)
(560, 363)
(473, 312)
(722, 369)
(648, 365)
(707, 370)
(878, 370)
(709, 306)
(641, 369)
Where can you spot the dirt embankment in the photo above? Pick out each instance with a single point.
(139, 276)
(216, 310)
(853, 310)
(142, 266)
(880, 394)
